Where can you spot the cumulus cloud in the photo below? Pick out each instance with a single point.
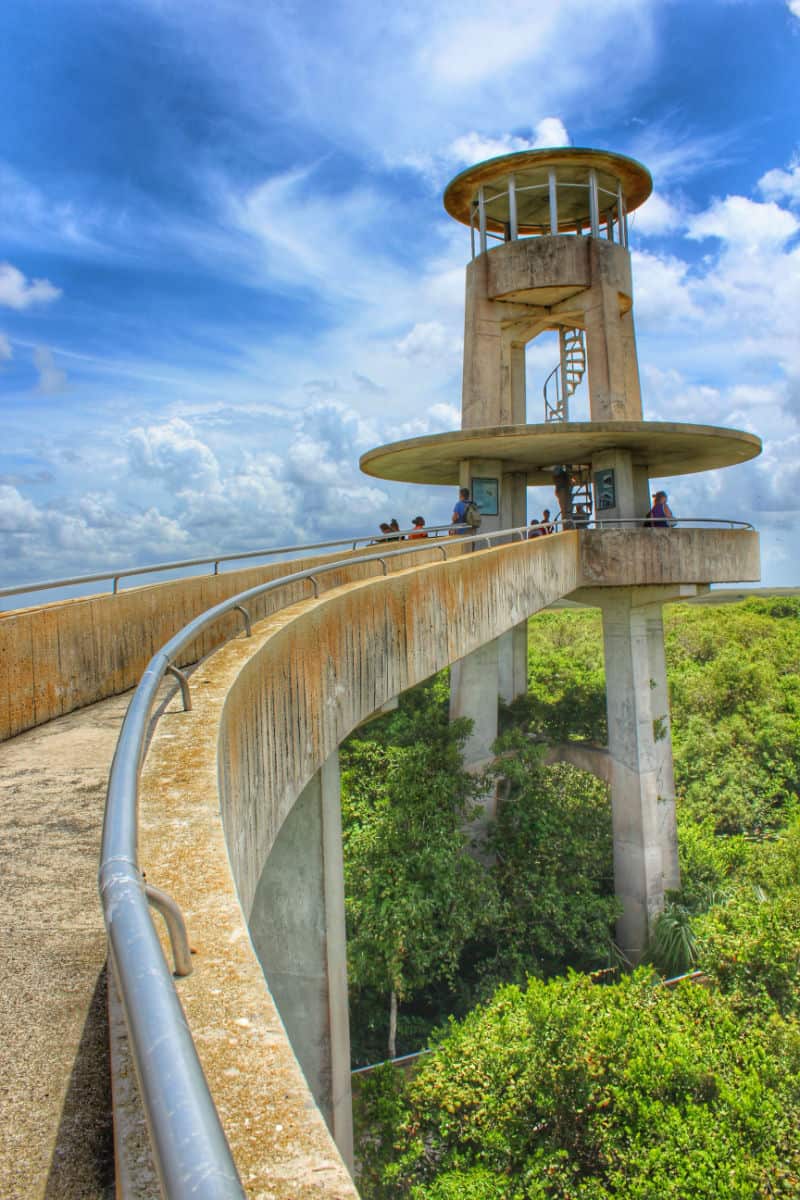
(656, 217)
(794, 7)
(51, 378)
(747, 223)
(779, 184)
(171, 453)
(16, 291)
(428, 341)
(475, 147)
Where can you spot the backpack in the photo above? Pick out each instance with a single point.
(472, 515)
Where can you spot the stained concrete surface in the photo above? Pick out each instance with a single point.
(55, 1106)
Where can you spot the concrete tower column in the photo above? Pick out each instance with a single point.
(642, 787)
(298, 929)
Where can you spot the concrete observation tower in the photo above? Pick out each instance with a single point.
(549, 235)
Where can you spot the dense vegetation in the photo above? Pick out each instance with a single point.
(544, 1083)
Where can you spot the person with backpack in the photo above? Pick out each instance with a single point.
(466, 514)
(660, 515)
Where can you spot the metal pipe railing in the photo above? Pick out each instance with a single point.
(214, 561)
(191, 1153)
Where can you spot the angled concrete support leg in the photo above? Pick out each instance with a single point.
(642, 789)
(298, 930)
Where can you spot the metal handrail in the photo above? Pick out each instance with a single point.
(212, 560)
(191, 1153)
(642, 522)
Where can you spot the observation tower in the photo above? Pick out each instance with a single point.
(550, 252)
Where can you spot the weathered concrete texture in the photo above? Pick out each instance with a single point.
(632, 557)
(55, 1115)
(59, 657)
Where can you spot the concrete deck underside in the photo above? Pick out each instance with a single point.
(267, 713)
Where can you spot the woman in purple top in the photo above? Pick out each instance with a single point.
(660, 515)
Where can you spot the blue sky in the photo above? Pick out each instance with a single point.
(225, 269)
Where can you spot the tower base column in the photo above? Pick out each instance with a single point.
(642, 788)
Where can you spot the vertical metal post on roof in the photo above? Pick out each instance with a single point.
(512, 207)
(482, 218)
(551, 178)
(594, 207)
(472, 228)
(621, 218)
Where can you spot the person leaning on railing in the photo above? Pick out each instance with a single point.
(660, 515)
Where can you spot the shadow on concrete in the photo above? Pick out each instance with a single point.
(82, 1166)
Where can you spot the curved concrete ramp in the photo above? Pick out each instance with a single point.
(268, 712)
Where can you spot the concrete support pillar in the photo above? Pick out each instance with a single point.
(298, 929)
(513, 662)
(642, 788)
(473, 693)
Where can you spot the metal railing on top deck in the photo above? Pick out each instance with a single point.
(191, 1153)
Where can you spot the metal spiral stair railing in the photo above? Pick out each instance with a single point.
(565, 378)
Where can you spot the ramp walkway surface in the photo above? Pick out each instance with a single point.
(55, 1097)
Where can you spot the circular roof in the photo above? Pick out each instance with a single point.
(530, 169)
(663, 447)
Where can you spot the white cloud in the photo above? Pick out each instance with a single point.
(173, 454)
(5, 348)
(428, 341)
(656, 217)
(746, 223)
(51, 378)
(794, 7)
(20, 293)
(475, 147)
(779, 184)
(662, 291)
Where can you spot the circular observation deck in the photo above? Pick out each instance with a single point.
(662, 447)
(546, 192)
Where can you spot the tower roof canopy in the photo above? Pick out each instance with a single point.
(531, 171)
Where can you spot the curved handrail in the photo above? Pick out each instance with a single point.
(215, 560)
(191, 1153)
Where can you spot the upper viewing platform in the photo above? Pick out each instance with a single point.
(538, 193)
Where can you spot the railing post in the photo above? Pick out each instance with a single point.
(553, 188)
(594, 207)
(184, 682)
(246, 615)
(176, 927)
(512, 208)
(482, 218)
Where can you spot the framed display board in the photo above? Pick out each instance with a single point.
(605, 489)
(486, 494)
